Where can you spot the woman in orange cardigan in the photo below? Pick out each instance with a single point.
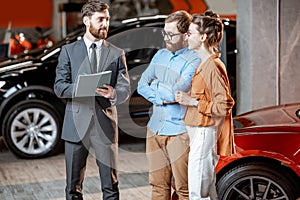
(208, 116)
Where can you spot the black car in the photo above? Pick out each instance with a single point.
(31, 114)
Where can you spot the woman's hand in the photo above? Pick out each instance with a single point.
(185, 99)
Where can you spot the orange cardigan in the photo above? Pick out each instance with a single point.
(210, 86)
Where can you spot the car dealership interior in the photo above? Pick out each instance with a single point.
(260, 48)
(267, 37)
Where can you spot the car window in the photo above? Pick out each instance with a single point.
(138, 38)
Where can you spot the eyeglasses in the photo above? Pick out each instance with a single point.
(168, 35)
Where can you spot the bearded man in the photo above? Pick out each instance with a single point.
(91, 122)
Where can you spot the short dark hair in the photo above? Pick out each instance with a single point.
(182, 18)
(92, 6)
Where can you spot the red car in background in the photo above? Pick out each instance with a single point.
(267, 161)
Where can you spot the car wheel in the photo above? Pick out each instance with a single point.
(32, 129)
(256, 181)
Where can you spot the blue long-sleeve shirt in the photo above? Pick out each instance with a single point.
(167, 73)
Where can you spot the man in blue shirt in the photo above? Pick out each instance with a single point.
(167, 145)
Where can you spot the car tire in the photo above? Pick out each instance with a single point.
(33, 129)
(257, 181)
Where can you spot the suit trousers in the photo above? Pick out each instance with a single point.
(76, 156)
(202, 163)
(168, 156)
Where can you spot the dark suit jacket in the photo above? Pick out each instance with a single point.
(73, 60)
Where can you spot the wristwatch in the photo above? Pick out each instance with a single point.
(195, 103)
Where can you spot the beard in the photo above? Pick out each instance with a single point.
(100, 33)
(170, 47)
(173, 47)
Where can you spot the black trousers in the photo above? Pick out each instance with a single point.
(105, 153)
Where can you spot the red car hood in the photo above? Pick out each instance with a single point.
(271, 118)
(272, 131)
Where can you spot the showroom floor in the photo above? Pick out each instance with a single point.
(45, 178)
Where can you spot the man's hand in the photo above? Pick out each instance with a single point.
(107, 92)
(185, 99)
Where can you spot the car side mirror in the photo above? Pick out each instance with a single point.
(298, 113)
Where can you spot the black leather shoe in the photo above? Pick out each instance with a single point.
(77, 197)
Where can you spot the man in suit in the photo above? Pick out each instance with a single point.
(92, 121)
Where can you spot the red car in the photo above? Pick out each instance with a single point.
(267, 163)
